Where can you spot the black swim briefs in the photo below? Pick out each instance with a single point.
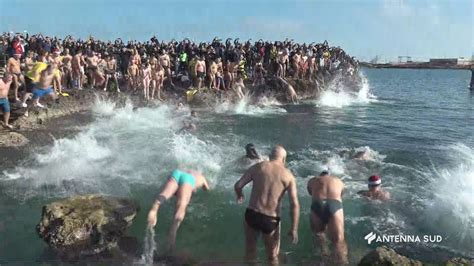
(261, 222)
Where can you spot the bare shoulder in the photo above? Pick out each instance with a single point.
(338, 180)
(288, 176)
(254, 168)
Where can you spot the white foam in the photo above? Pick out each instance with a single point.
(121, 147)
(338, 96)
(149, 248)
(264, 105)
(450, 202)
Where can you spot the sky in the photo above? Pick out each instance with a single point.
(364, 28)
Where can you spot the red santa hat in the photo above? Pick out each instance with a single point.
(374, 180)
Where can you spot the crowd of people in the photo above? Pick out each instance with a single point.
(43, 66)
(270, 181)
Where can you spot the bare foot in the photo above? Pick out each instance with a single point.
(8, 126)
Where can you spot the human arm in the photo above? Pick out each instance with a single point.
(205, 185)
(154, 211)
(308, 187)
(294, 211)
(239, 185)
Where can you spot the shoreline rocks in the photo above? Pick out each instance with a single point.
(385, 256)
(85, 225)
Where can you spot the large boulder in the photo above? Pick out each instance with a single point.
(86, 225)
(384, 256)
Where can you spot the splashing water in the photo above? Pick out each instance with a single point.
(450, 203)
(94, 161)
(264, 105)
(149, 247)
(337, 96)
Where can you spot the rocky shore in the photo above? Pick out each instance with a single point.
(83, 100)
(385, 256)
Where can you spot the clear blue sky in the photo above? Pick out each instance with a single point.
(364, 28)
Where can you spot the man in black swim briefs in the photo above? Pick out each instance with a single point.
(326, 211)
(271, 179)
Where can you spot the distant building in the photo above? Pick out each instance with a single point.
(465, 61)
(404, 59)
(451, 61)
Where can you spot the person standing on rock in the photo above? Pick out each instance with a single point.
(44, 87)
(326, 211)
(270, 179)
(5, 83)
(182, 184)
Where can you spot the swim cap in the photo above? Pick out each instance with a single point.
(374, 180)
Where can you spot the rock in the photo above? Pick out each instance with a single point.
(458, 261)
(384, 256)
(12, 139)
(85, 225)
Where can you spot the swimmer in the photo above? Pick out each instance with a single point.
(200, 71)
(44, 86)
(251, 157)
(291, 93)
(326, 212)
(270, 179)
(182, 184)
(5, 83)
(145, 73)
(375, 191)
(187, 127)
(110, 71)
(362, 156)
(14, 68)
(239, 87)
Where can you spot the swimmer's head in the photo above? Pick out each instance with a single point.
(278, 153)
(251, 152)
(374, 181)
(323, 173)
(193, 113)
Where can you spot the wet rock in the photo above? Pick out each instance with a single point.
(85, 225)
(384, 256)
(458, 262)
(12, 139)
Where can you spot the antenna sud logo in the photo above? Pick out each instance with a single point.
(371, 237)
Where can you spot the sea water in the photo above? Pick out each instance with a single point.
(415, 125)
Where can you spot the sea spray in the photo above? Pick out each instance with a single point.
(149, 246)
(337, 96)
(449, 199)
(264, 105)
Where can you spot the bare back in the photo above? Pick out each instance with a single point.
(270, 182)
(326, 187)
